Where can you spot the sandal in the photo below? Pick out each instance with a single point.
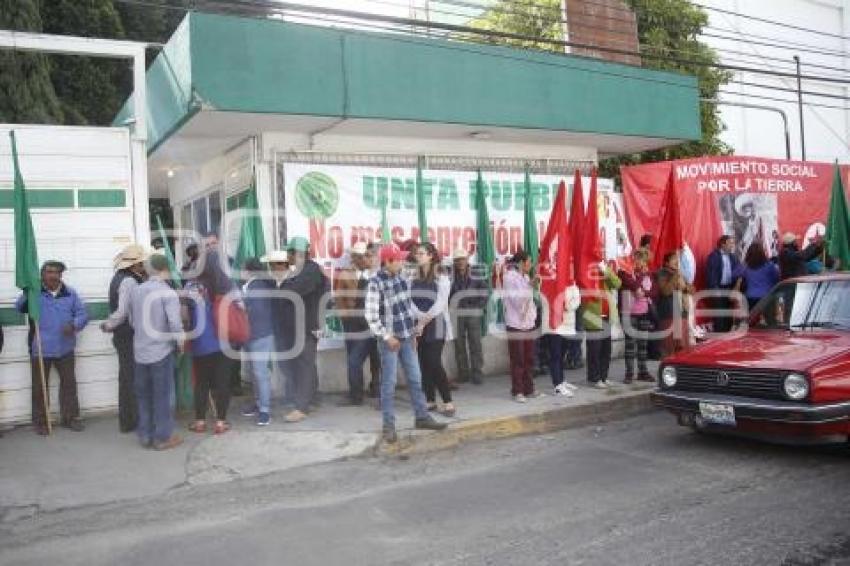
(221, 427)
(198, 426)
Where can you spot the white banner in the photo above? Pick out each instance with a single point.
(335, 206)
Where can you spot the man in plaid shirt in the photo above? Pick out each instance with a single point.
(390, 317)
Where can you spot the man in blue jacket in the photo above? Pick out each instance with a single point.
(63, 314)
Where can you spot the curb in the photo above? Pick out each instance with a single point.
(573, 416)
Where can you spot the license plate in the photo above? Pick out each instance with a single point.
(717, 413)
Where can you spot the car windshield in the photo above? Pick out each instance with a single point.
(802, 306)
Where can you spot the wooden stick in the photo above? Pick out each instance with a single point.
(44, 392)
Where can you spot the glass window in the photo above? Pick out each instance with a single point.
(820, 304)
(200, 210)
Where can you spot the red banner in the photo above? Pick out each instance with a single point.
(753, 199)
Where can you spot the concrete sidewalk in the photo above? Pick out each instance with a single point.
(101, 465)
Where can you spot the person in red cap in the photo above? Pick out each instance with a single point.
(389, 312)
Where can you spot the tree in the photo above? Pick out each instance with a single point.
(92, 89)
(671, 28)
(26, 93)
(539, 19)
(666, 28)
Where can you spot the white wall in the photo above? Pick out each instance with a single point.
(85, 239)
(757, 132)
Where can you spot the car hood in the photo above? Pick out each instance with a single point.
(797, 351)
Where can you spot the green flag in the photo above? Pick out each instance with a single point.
(385, 226)
(27, 274)
(420, 203)
(252, 243)
(484, 251)
(529, 241)
(838, 224)
(172, 265)
(484, 237)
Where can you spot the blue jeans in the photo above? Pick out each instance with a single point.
(389, 365)
(154, 385)
(558, 345)
(259, 353)
(357, 351)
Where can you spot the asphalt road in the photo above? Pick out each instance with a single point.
(641, 491)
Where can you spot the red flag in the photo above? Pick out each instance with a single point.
(577, 221)
(669, 237)
(555, 281)
(591, 252)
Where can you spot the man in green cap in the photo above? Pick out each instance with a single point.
(307, 283)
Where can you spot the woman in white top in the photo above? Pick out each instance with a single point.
(557, 342)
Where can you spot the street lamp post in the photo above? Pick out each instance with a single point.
(779, 111)
(800, 107)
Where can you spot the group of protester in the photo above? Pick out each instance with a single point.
(757, 274)
(397, 306)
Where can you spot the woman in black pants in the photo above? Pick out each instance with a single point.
(210, 366)
(430, 293)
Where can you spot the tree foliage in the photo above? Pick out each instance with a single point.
(671, 28)
(26, 92)
(91, 89)
(666, 28)
(73, 89)
(539, 19)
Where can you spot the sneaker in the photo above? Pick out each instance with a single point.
(605, 381)
(295, 416)
(520, 398)
(389, 435)
(429, 423)
(263, 419)
(600, 385)
(175, 440)
(250, 410)
(563, 391)
(646, 377)
(535, 395)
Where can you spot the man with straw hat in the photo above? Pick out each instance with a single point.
(129, 274)
(468, 298)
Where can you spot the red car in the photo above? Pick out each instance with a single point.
(786, 376)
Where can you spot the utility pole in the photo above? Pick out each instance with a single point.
(800, 106)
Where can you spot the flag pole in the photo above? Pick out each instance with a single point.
(44, 392)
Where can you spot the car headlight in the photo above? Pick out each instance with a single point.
(668, 376)
(796, 386)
